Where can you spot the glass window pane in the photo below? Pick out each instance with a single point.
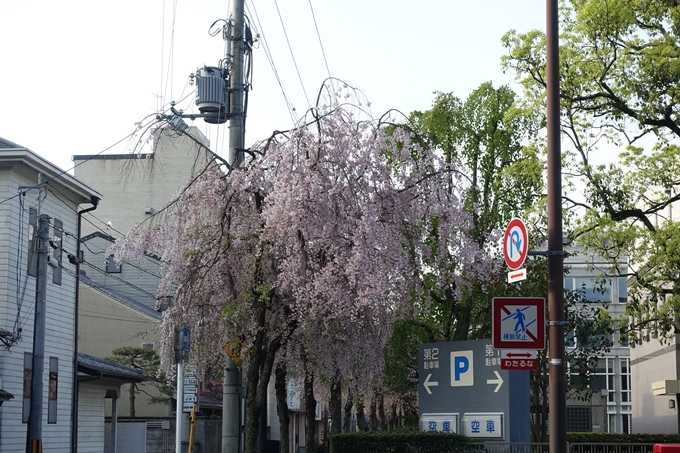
(623, 290)
(594, 290)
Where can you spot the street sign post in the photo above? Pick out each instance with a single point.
(189, 391)
(463, 388)
(515, 244)
(518, 322)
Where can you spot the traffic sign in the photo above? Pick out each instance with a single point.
(519, 359)
(190, 389)
(517, 276)
(186, 407)
(191, 380)
(515, 244)
(518, 322)
(190, 398)
(461, 378)
(186, 339)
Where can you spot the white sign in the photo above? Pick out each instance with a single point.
(462, 369)
(190, 398)
(190, 389)
(517, 276)
(519, 354)
(446, 423)
(482, 425)
(186, 407)
(191, 380)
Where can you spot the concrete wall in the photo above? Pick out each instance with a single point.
(106, 324)
(652, 362)
(133, 183)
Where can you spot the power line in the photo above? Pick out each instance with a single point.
(319, 36)
(291, 53)
(267, 52)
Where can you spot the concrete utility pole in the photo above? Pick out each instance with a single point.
(558, 366)
(231, 392)
(231, 408)
(236, 85)
(34, 433)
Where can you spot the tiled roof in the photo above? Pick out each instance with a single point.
(104, 368)
(4, 144)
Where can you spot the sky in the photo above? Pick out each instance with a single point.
(76, 75)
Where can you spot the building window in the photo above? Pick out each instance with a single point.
(623, 290)
(28, 373)
(112, 267)
(594, 289)
(579, 419)
(58, 242)
(53, 390)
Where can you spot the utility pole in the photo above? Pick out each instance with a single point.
(236, 85)
(231, 391)
(34, 433)
(557, 362)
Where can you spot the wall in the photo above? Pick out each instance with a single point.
(17, 292)
(652, 362)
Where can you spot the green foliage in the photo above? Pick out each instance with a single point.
(398, 442)
(147, 361)
(619, 68)
(612, 438)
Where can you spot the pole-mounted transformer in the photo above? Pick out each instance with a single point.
(212, 94)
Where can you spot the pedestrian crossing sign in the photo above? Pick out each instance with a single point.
(518, 322)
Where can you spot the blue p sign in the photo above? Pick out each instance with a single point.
(462, 369)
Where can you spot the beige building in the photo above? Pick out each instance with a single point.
(119, 305)
(656, 371)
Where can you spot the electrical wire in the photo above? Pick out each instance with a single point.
(320, 43)
(171, 57)
(291, 53)
(270, 58)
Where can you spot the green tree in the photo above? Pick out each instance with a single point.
(147, 361)
(483, 138)
(619, 67)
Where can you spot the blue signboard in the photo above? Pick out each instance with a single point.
(463, 389)
(186, 339)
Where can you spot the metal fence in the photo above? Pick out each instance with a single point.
(574, 447)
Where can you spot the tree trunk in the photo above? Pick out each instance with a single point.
(133, 388)
(348, 411)
(336, 403)
(393, 417)
(310, 413)
(381, 411)
(361, 416)
(374, 416)
(282, 407)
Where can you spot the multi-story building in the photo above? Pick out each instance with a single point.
(30, 188)
(119, 303)
(609, 409)
(655, 368)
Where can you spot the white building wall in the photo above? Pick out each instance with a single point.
(59, 335)
(91, 417)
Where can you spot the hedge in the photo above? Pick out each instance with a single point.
(407, 441)
(611, 438)
(398, 442)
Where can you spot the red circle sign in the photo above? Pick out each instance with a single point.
(515, 244)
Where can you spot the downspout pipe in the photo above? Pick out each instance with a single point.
(74, 399)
